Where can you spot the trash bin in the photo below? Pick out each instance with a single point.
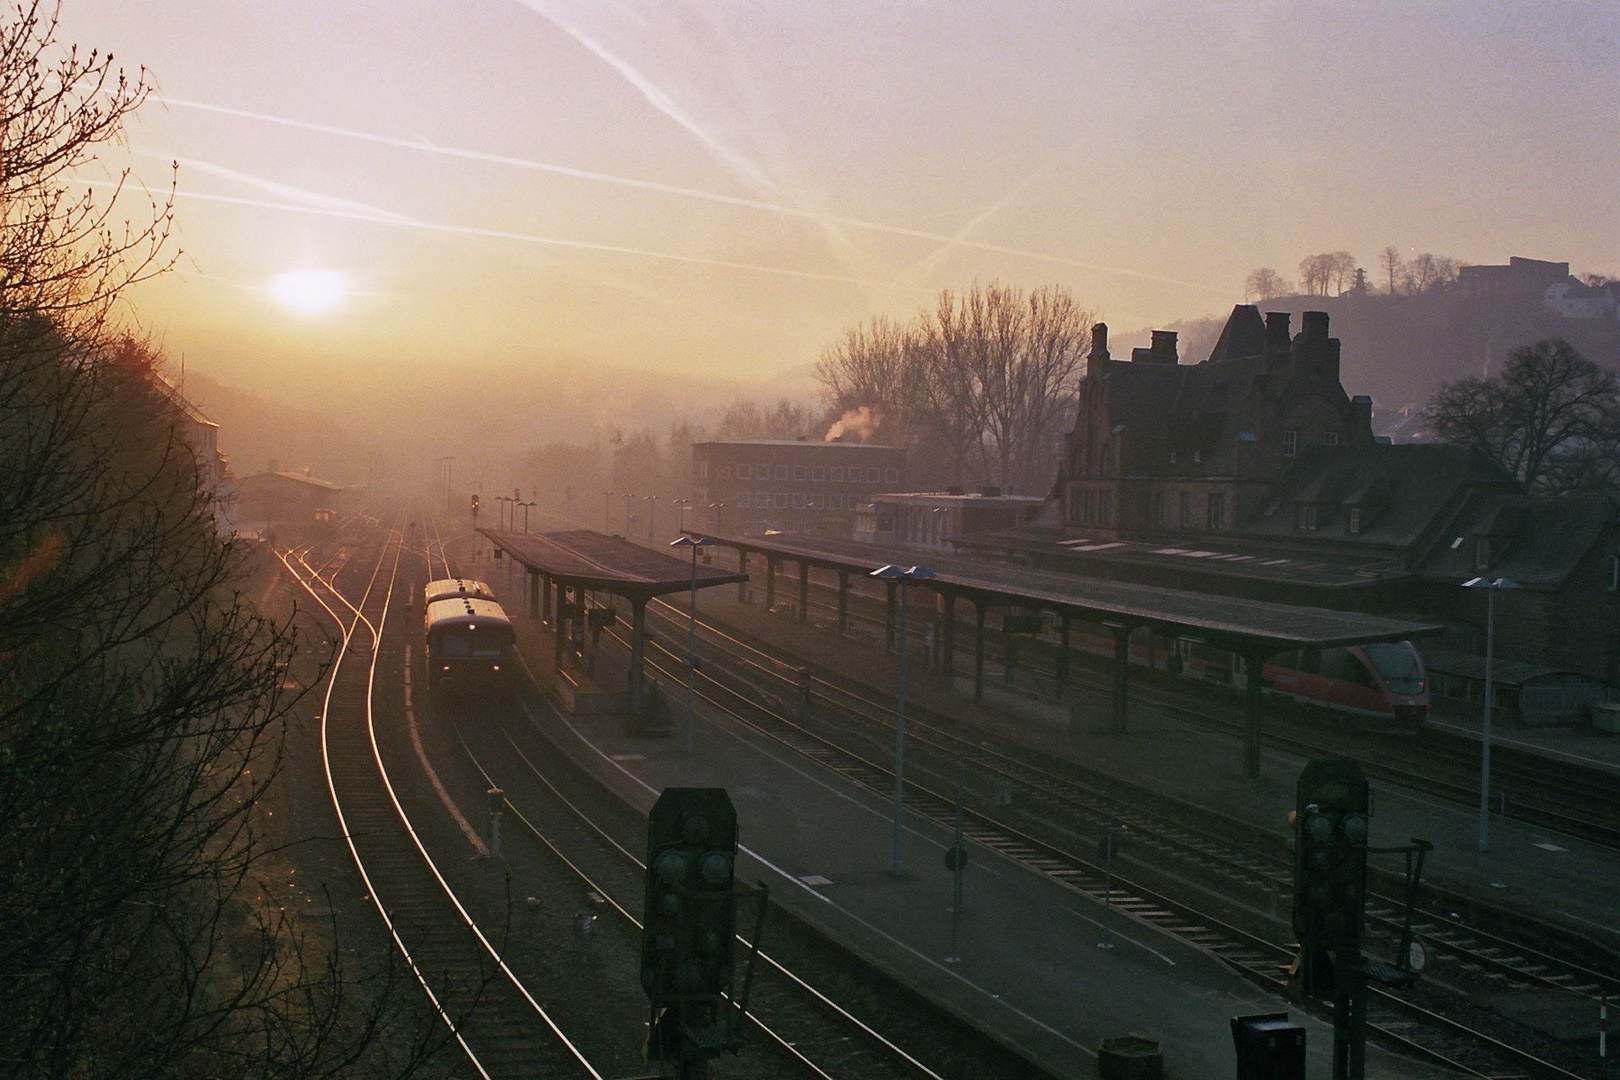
(1130, 1057)
(1269, 1047)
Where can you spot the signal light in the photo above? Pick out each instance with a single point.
(690, 918)
(1330, 869)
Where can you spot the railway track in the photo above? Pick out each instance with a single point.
(758, 696)
(498, 1025)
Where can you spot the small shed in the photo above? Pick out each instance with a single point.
(1528, 694)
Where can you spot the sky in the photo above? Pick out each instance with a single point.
(717, 189)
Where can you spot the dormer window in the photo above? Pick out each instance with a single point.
(1614, 573)
(1290, 441)
(1355, 519)
(1172, 457)
(1330, 438)
(1305, 517)
(1198, 457)
(1482, 552)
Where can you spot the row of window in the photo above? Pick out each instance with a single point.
(1091, 507)
(1186, 510)
(1306, 518)
(837, 474)
(782, 500)
(1290, 446)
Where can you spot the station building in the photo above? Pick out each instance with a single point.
(1253, 473)
(754, 486)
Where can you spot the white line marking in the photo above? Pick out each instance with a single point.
(421, 755)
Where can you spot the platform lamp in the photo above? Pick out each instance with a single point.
(693, 542)
(525, 505)
(683, 505)
(1492, 587)
(652, 516)
(904, 576)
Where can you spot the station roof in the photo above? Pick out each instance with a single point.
(1230, 621)
(613, 564)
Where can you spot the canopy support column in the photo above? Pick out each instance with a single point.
(770, 583)
(948, 662)
(843, 602)
(545, 599)
(533, 576)
(1122, 671)
(978, 648)
(560, 630)
(804, 592)
(638, 649)
(742, 568)
(1254, 686)
(1063, 655)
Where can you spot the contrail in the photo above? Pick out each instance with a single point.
(658, 99)
(501, 234)
(686, 192)
(314, 199)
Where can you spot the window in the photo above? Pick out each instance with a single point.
(781, 472)
(1290, 443)
(1482, 552)
(1105, 507)
(779, 500)
(837, 502)
(1355, 519)
(762, 498)
(1614, 573)
(742, 498)
(703, 470)
(818, 502)
(1186, 510)
(1330, 438)
(1198, 457)
(818, 473)
(891, 475)
(798, 500)
(1305, 517)
(1217, 510)
(1161, 513)
(1088, 516)
(762, 472)
(725, 472)
(800, 473)
(745, 472)
(836, 474)
(1172, 457)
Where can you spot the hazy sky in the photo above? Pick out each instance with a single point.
(721, 187)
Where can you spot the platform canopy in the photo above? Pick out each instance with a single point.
(593, 560)
(1232, 622)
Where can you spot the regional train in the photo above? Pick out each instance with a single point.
(1382, 686)
(470, 643)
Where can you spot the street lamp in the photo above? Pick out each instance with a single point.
(693, 542)
(652, 515)
(719, 509)
(627, 497)
(504, 500)
(607, 511)
(1491, 586)
(525, 506)
(904, 576)
(683, 506)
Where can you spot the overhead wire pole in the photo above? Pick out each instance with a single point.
(901, 577)
(1491, 586)
(693, 542)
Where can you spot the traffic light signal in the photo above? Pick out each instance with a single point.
(689, 924)
(1330, 869)
(475, 504)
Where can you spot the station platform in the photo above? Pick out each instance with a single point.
(1053, 973)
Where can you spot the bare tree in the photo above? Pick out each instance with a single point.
(140, 697)
(1342, 265)
(1316, 274)
(1551, 418)
(977, 388)
(1394, 267)
(1264, 284)
(1426, 272)
(745, 419)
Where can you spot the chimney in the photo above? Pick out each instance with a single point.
(1314, 350)
(1277, 331)
(1360, 420)
(1162, 351)
(1099, 351)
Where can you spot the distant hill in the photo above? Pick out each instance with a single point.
(1400, 349)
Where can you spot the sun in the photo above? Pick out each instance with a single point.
(309, 292)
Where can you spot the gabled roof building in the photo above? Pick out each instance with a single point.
(1253, 473)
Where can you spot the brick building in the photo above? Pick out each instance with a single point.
(749, 486)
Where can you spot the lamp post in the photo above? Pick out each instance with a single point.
(525, 506)
(683, 506)
(719, 509)
(904, 576)
(607, 511)
(628, 496)
(652, 515)
(693, 542)
(1491, 586)
(505, 500)
(449, 467)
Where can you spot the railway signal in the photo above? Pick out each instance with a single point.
(1330, 868)
(689, 928)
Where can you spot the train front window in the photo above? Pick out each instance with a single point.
(1400, 666)
(454, 645)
